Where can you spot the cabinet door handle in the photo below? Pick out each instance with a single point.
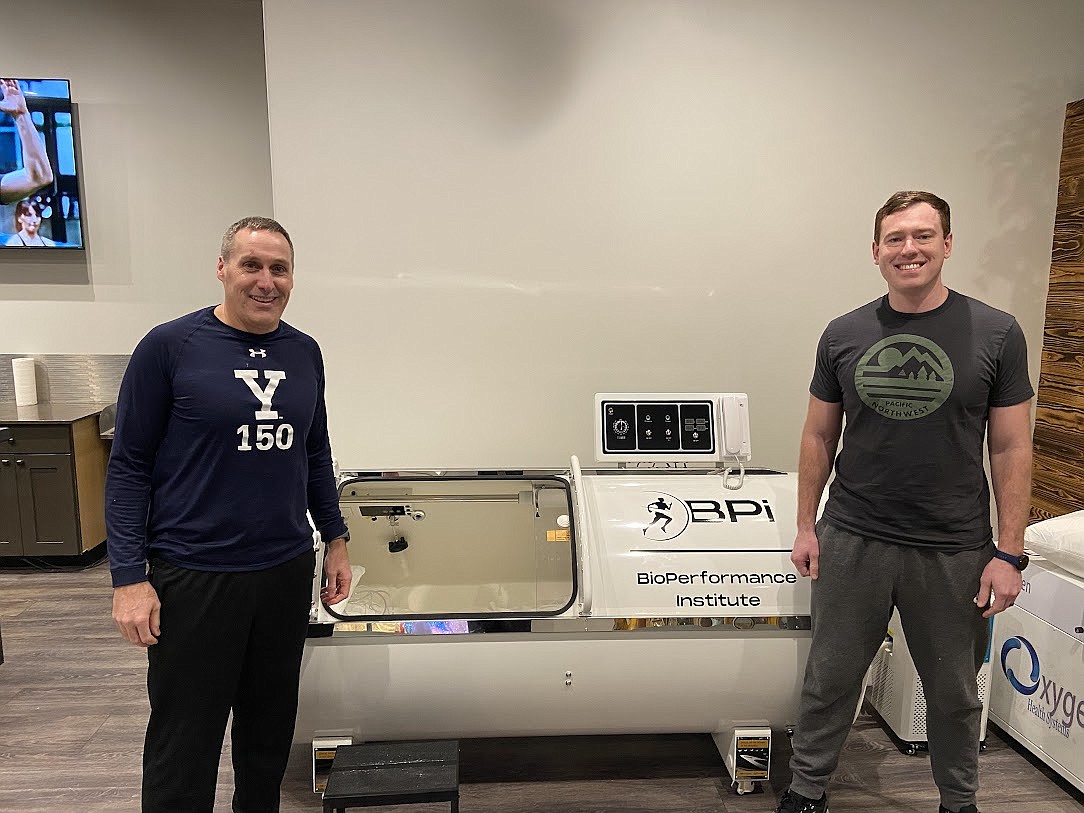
(5, 462)
(20, 462)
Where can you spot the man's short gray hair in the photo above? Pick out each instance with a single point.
(253, 224)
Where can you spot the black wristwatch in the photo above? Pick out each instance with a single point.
(1019, 562)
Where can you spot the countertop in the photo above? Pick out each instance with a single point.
(48, 412)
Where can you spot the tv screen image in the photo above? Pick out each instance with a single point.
(40, 205)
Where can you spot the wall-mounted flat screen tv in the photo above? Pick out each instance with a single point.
(40, 204)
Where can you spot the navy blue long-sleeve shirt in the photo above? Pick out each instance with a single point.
(221, 446)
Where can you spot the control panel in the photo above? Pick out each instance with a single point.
(669, 427)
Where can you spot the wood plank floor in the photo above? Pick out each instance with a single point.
(73, 708)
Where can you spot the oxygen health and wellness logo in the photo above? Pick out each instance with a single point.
(1057, 706)
(1032, 685)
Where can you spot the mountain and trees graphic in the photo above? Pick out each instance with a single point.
(916, 365)
(904, 377)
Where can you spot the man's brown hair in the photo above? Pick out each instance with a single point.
(901, 200)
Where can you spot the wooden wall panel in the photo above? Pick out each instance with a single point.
(1058, 472)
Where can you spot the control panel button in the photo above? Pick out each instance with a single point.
(619, 421)
(695, 427)
(653, 422)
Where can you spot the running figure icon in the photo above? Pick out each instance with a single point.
(657, 509)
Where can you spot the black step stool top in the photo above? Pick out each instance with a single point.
(391, 773)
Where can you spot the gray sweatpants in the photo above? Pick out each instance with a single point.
(860, 581)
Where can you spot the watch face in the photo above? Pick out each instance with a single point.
(1022, 562)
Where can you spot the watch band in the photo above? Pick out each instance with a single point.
(1019, 562)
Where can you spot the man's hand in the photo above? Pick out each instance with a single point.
(806, 554)
(1004, 581)
(337, 568)
(13, 102)
(137, 613)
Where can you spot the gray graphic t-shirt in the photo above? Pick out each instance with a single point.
(916, 390)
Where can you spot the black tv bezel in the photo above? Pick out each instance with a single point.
(13, 251)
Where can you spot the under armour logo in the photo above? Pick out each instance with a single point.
(261, 353)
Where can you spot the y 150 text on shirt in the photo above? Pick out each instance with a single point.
(260, 435)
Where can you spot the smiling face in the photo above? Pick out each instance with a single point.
(257, 278)
(29, 219)
(911, 250)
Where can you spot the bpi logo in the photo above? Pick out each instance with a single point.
(671, 515)
(1021, 643)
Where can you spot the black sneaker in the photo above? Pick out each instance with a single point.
(796, 803)
(964, 809)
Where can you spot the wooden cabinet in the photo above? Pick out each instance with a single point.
(52, 488)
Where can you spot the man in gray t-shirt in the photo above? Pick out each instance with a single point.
(922, 375)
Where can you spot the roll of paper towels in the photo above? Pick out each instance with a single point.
(26, 384)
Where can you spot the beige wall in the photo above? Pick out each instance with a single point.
(172, 109)
(506, 207)
(501, 208)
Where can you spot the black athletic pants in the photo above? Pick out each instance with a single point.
(230, 641)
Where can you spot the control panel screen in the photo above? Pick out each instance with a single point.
(654, 427)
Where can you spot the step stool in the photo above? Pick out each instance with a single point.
(393, 773)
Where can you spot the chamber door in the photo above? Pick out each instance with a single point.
(460, 548)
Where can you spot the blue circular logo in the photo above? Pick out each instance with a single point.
(1021, 643)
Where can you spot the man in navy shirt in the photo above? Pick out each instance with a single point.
(221, 452)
